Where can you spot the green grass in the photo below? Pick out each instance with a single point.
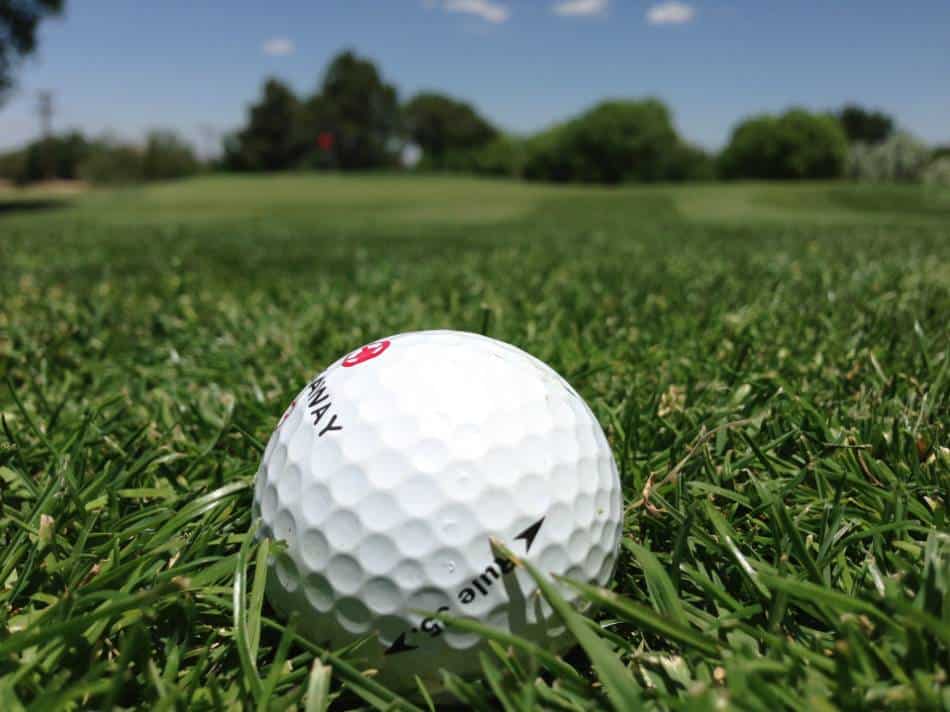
(770, 364)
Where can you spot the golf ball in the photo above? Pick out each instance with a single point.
(389, 473)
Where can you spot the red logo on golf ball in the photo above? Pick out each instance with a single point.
(366, 353)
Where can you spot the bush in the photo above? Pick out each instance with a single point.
(900, 158)
(72, 156)
(56, 157)
(167, 156)
(690, 163)
(938, 172)
(548, 156)
(11, 165)
(613, 142)
(111, 163)
(503, 156)
(796, 145)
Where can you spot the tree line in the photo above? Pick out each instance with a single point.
(72, 156)
(355, 121)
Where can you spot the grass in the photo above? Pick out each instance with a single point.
(770, 364)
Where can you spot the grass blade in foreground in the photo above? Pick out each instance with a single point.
(318, 687)
(622, 691)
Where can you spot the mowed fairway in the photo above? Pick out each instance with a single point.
(770, 364)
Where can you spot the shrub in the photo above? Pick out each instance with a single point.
(112, 163)
(938, 172)
(167, 156)
(548, 156)
(689, 163)
(796, 145)
(72, 156)
(503, 156)
(55, 157)
(900, 158)
(614, 141)
(11, 165)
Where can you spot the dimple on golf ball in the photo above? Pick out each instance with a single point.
(391, 471)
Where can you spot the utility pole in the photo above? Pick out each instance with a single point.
(44, 109)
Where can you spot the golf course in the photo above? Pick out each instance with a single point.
(769, 363)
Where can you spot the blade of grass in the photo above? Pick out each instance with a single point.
(620, 687)
(318, 687)
(250, 676)
(662, 592)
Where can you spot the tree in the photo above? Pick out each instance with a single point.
(320, 131)
(614, 141)
(440, 124)
(863, 126)
(361, 110)
(18, 22)
(795, 145)
(55, 157)
(273, 139)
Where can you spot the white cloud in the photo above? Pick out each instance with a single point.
(577, 8)
(279, 47)
(489, 11)
(671, 13)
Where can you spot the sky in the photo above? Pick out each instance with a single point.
(123, 67)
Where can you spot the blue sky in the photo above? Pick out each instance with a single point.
(126, 66)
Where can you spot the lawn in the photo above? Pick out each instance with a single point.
(770, 364)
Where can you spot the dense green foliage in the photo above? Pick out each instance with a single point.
(612, 142)
(442, 126)
(19, 20)
(113, 164)
(865, 126)
(503, 156)
(770, 364)
(56, 157)
(274, 136)
(167, 156)
(795, 145)
(363, 113)
(687, 162)
(355, 123)
(72, 156)
(354, 109)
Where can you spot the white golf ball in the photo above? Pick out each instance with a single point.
(390, 472)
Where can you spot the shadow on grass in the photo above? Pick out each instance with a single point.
(30, 206)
